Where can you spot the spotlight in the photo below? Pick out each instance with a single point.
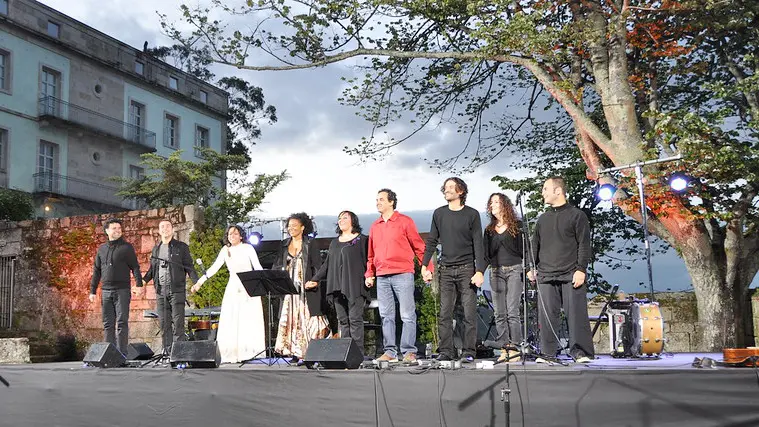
(255, 238)
(678, 182)
(606, 192)
(313, 234)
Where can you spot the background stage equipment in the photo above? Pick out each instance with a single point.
(139, 351)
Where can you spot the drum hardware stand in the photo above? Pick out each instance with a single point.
(526, 349)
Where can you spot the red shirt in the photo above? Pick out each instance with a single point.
(392, 246)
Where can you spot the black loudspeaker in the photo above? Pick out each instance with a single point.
(341, 353)
(139, 351)
(104, 355)
(195, 354)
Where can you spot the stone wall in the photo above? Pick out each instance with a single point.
(54, 269)
(681, 328)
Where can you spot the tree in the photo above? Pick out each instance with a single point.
(15, 205)
(174, 181)
(637, 78)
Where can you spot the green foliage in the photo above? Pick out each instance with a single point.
(15, 205)
(236, 207)
(427, 308)
(206, 246)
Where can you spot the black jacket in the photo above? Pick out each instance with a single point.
(114, 261)
(312, 261)
(180, 265)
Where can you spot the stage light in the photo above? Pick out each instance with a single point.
(606, 192)
(313, 235)
(678, 182)
(255, 238)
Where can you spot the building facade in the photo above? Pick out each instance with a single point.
(78, 107)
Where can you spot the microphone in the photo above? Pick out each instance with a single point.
(200, 263)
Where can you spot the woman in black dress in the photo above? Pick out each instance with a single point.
(344, 270)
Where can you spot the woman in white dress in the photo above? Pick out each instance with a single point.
(241, 323)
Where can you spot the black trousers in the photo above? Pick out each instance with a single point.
(455, 283)
(115, 305)
(350, 318)
(553, 295)
(170, 310)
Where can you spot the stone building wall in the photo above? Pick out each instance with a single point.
(54, 268)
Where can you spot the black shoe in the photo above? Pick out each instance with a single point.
(444, 358)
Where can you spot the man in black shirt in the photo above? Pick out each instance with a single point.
(114, 260)
(458, 229)
(170, 263)
(561, 249)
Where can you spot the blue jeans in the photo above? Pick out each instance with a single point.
(390, 287)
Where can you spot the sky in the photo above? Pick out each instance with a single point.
(313, 128)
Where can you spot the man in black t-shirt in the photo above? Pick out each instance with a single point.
(561, 250)
(458, 229)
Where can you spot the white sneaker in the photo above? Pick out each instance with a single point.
(583, 359)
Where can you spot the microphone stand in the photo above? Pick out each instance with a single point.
(525, 348)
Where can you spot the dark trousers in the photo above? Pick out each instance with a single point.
(171, 307)
(554, 295)
(507, 286)
(116, 317)
(455, 283)
(350, 318)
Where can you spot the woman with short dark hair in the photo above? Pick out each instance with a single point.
(344, 270)
(303, 315)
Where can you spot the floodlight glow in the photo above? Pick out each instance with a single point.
(678, 182)
(606, 192)
(255, 238)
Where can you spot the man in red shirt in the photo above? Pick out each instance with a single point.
(393, 242)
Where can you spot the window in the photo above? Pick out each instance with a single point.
(139, 68)
(49, 86)
(4, 7)
(3, 149)
(201, 139)
(136, 172)
(173, 82)
(171, 131)
(46, 167)
(137, 121)
(5, 70)
(53, 29)
(204, 97)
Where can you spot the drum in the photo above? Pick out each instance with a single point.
(647, 330)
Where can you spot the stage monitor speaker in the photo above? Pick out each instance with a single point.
(139, 351)
(104, 355)
(341, 353)
(195, 354)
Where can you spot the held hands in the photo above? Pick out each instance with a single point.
(426, 274)
(137, 291)
(531, 276)
(311, 284)
(578, 279)
(92, 297)
(478, 279)
(198, 284)
(369, 282)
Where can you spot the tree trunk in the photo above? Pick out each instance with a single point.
(718, 305)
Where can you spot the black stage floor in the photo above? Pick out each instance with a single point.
(607, 392)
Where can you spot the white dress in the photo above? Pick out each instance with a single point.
(241, 322)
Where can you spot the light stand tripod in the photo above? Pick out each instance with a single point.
(269, 283)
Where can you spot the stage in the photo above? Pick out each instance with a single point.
(606, 392)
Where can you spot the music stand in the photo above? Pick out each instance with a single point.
(258, 283)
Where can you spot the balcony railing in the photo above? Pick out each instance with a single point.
(50, 106)
(46, 182)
